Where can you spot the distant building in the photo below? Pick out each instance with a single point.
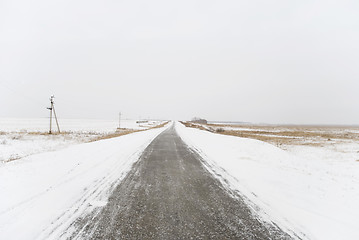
(199, 120)
(141, 121)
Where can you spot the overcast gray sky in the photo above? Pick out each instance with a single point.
(281, 61)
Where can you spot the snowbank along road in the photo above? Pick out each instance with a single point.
(43, 194)
(169, 194)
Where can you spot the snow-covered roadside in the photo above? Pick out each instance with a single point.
(16, 145)
(314, 198)
(43, 194)
(23, 137)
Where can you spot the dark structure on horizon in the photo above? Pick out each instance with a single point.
(199, 120)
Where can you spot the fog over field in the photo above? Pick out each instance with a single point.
(255, 61)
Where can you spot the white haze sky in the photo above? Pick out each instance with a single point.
(279, 61)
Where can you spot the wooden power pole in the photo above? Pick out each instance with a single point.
(52, 109)
(119, 121)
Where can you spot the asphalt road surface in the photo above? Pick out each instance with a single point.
(170, 195)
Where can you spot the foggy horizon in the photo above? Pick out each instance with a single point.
(280, 62)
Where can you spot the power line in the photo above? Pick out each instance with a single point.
(24, 96)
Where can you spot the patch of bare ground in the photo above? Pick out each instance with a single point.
(16, 157)
(284, 135)
(96, 136)
(192, 125)
(125, 131)
(118, 133)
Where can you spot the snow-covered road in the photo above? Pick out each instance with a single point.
(169, 194)
(43, 194)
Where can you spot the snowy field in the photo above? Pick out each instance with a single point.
(300, 179)
(304, 180)
(69, 125)
(44, 193)
(24, 137)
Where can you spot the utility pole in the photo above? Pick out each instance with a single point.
(119, 121)
(52, 109)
